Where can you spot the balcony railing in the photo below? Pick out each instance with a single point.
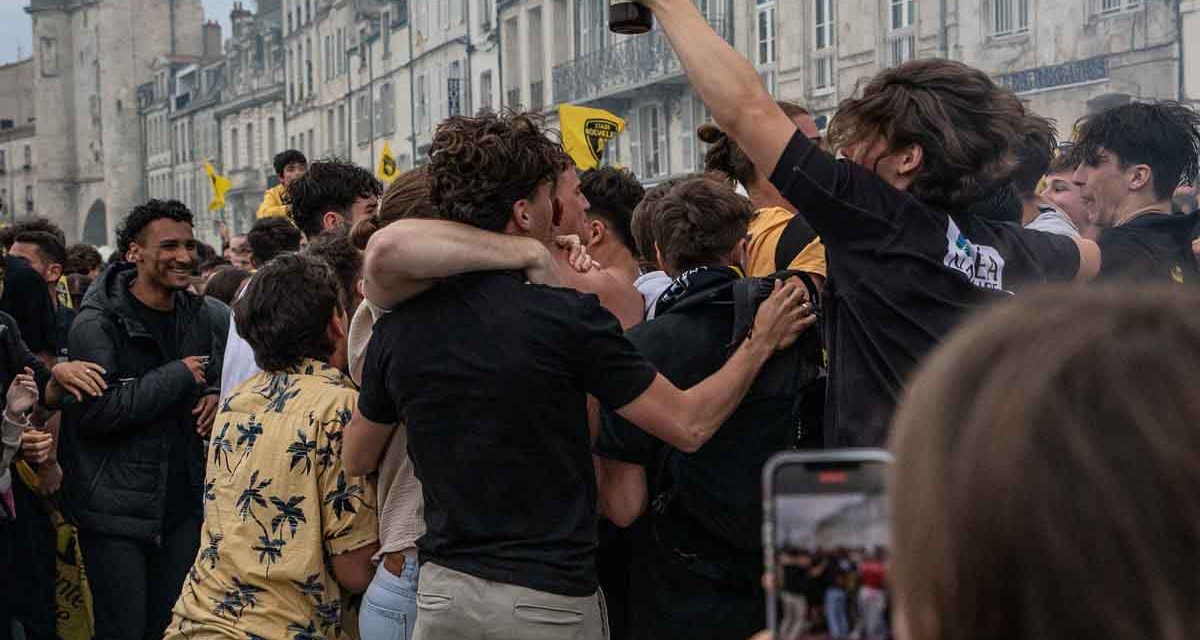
(633, 63)
(901, 45)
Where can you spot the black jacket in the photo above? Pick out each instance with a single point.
(115, 448)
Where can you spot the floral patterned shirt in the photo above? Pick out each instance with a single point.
(277, 506)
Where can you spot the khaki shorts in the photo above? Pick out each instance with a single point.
(452, 605)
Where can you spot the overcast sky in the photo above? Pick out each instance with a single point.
(16, 28)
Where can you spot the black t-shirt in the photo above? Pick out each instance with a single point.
(901, 276)
(1150, 248)
(490, 376)
(164, 329)
(28, 301)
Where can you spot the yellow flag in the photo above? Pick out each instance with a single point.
(220, 186)
(387, 169)
(585, 133)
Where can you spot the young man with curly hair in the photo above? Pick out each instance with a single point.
(133, 457)
(907, 261)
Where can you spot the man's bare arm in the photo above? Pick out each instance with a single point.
(687, 420)
(726, 82)
(621, 488)
(407, 257)
(363, 444)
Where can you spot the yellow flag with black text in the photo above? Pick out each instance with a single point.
(586, 132)
(220, 186)
(387, 169)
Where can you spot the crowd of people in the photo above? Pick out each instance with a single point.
(505, 398)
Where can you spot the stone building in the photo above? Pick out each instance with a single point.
(90, 57)
(1065, 58)
(18, 128)
(249, 116)
(561, 51)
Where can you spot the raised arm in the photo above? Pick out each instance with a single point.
(408, 256)
(726, 82)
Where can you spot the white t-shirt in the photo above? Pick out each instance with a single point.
(239, 365)
(651, 286)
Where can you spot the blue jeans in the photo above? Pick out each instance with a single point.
(389, 608)
(835, 613)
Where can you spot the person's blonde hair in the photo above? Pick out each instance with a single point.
(1047, 472)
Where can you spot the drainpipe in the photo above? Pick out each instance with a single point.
(468, 78)
(943, 41)
(1182, 95)
(412, 90)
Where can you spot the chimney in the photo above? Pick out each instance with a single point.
(238, 19)
(212, 40)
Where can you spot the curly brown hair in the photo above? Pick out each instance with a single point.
(727, 158)
(965, 124)
(406, 197)
(481, 166)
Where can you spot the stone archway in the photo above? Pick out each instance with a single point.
(95, 225)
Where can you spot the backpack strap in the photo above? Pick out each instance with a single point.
(796, 237)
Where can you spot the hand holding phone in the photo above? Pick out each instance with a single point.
(826, 539)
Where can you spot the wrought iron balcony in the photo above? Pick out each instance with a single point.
(623, 67)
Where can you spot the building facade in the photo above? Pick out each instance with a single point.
(248, 117)
(1065, 58)
(90, 57)
(18, 130)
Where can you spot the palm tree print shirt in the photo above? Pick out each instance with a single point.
(277, 505)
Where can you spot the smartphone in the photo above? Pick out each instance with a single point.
(825, 540)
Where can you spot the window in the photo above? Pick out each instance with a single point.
(591, 27)
(307, 11)
(272, 138)
(301, 147)
(328, 57)
(250, 146)
(653, 143)
(308, 65)
(901, 40)
(1104, 7)
(330, 149)
(340, 61)
(341, 126)
(363, 122)
(28, 157)
(766, 32)
(487, 14)
(3, 161)
(454, 90)
(291, 67)
(1010, 17)
(485, 92)
(537, 61)
(235, 160)
(29, 199)
(823, 41)
(693, 114)
(512, 62)
(387, 100)
(386, 34)
(422, 103)
(312, 144)
(50, 57)
(443, 14)
(191, 138)
(456, 12)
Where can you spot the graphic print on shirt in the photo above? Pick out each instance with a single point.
(983, 265)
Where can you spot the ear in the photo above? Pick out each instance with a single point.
(741, 253)
(332, 220)
(1139, 177)
(54, 272)
(598, 231)
(134, 254)
(338, 328)
(912, 158)
(522, 216)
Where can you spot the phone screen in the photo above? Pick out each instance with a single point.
(830, 549)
